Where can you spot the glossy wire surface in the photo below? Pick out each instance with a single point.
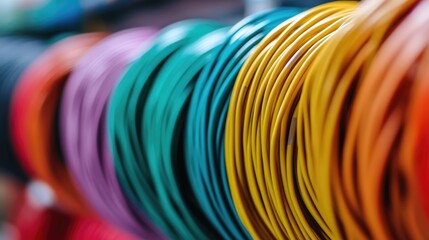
(271, 188)
(164, 138)
(352, 117)
(292, 124)
(145, 175)
(83, 127)
(207, 115)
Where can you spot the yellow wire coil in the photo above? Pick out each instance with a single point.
(271, 187)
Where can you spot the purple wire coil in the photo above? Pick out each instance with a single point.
(84, 136)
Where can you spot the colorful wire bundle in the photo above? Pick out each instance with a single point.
(414, 151)
(292, 124)
(141, 172)
(34, 113)
(361, 108)
(165, 127)
(206, 120)
(11, 68)
(83, 109)
(265, 176)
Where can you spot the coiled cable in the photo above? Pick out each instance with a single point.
(414, 151)
(131, 140)
(34, 113)
(266, 178)
(165, 126)
(207, 115)
(336, 114)
(388, 210)
(83, 127)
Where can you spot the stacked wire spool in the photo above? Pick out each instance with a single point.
(34, 116)
(291, 124)
(83, 108)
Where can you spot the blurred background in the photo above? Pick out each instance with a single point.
(53, 16)
(25, 204)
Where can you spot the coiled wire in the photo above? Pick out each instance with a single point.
(83, 127)
(34, 117)
(146, 171)
(414, 151)
(270, 185)
(164, 138)
(207, 115)
(351, 116)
